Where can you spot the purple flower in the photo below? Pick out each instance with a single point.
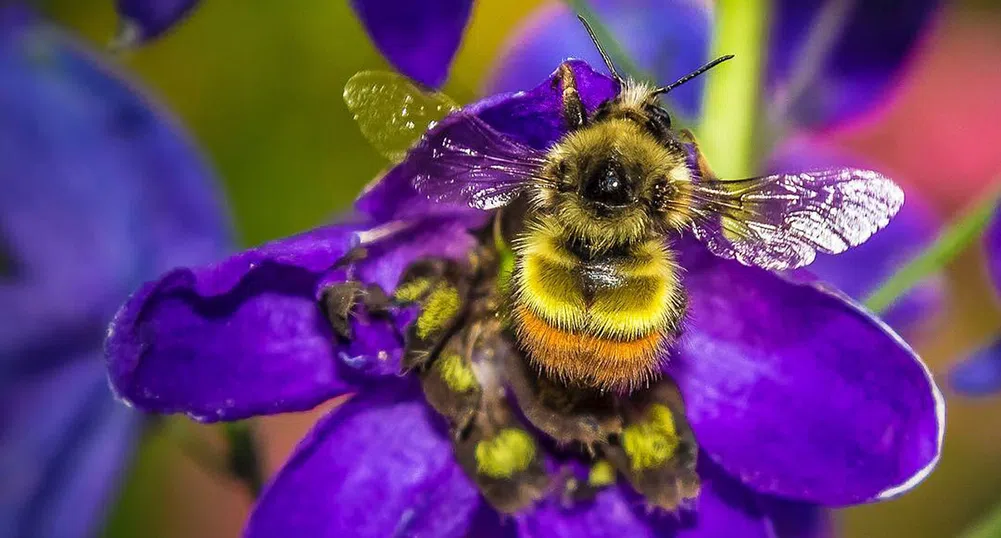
(98, 192)
(418, 38)
(980, 373)
(865, 55)
(144, 20)
(796, 395)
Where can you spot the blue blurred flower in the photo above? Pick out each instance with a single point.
(419, 39)
(99, 190)
(980, 374)
(815, 81)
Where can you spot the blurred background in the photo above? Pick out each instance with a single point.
(260, 90)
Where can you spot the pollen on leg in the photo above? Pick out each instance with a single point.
(653, 441)
(456, 374)
(412, 291)
(509, 452)
(441, 305)
(601, 474)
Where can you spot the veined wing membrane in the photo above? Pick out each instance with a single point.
(781, 221)
(465, 161)
(392, 112)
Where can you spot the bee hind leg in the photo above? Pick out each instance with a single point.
(600, 476)
(656, 451)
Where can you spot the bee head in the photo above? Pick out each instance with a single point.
(607, 182)
(607, 187)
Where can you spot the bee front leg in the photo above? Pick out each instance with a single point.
(340, 300)
(656, 451)
(574, 115)
(705, 172)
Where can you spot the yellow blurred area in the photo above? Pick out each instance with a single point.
(259, 86)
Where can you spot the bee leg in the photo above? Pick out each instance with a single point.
(439, 288)
(601, 475)
(705, 172)
(502, 458)
(338, 302)
(657, 451)
(574, 115)
(566, 413)
(451, 387)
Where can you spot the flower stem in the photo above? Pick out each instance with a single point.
(240, 461)
(950, 242)
(732, 98)
(244, 461)
(988, 527)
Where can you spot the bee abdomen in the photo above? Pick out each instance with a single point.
(602, 322)
(587, 359)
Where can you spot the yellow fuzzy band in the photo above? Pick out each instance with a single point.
(509, 452)
(456, 373)
(651, 443)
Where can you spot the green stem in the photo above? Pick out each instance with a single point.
(623, 62)
(949, 244)
(244, 461)
(988, 527)
(241, 459)
(731, 105)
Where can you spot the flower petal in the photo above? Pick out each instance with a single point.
(532, 117)
(100, 188)
(724, 508)
(63, 443)
(797, 391)
(143, 20)
(979, 374)
(667, 40)
(247, 336)
(418, 38)
(868, 46)
(862, 269)
(380, 465)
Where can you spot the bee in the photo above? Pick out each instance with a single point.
(596, 298)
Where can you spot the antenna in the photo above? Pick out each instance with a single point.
(601, 50)
(693, 74)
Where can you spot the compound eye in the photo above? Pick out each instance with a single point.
(608, 186)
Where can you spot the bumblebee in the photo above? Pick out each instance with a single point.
(576, 334)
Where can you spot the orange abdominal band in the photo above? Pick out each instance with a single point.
(599, 362)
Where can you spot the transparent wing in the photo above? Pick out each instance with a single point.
(463, 160)
(392, 112)
(781, 221)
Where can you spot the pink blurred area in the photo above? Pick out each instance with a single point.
(942, 133)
